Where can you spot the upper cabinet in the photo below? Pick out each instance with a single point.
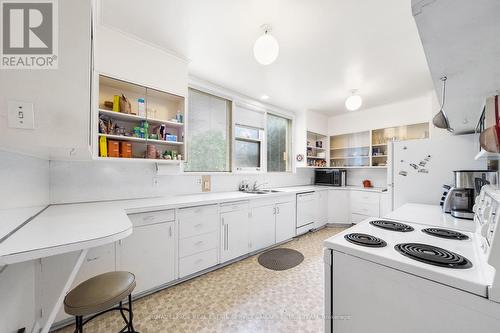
(60, 97)
(128, 59)
(370, 148)
(137, 122)
(460, 40)
(68, 101)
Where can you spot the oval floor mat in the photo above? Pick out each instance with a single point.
(280, 259)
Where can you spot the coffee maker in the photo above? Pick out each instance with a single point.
(468, 183)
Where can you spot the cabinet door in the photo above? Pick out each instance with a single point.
(322, 217)
(149, 254)
(339, 206)
(262, 227)
(234, 234)
(285, 221)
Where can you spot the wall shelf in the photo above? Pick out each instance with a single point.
(136, 118)
(160, 108)
(135, 139)
(312, 158)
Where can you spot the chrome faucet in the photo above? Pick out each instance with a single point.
(256, 187)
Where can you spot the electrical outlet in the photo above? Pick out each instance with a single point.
(21, 115)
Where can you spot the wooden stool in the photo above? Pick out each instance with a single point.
(99, 295)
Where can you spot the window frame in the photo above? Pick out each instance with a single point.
(290, 165)
(229, 131)
(262, 145)
(238, 99)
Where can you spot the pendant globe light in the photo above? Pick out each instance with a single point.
(353, 102)
(266, 48)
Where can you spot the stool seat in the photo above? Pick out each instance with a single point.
(99, 293)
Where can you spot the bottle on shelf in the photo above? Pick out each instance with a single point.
(141, 107)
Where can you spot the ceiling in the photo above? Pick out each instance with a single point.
(327, 47)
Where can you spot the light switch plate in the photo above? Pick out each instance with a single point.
(205, 184)
(21, 115)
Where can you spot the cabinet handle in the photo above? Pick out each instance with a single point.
(170, 231)
(148, 218)
(274, 211)
(92, 259)
(198, 243)
(200, 224)
(278, 210)
(227, 237)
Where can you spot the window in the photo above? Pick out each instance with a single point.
(278, 143)
(247, 148)
(208, 138)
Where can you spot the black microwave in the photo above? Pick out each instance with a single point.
(330, 177)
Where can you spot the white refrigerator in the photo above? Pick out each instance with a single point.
(418, 169)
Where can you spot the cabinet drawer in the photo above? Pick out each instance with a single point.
(369, 209)
(197, 221)
(356, 218)
(233, 206)
(196, 244)
(197, 262)
(152, 217)
(365, 197)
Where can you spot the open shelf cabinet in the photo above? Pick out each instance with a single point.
(317, 150)
(369, 149)
(151, 129)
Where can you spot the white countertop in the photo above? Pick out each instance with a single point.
(10, 219)
(66, 228)
(431, 215)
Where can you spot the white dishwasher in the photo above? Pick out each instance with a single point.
(306, 211)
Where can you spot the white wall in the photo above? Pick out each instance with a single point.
(317, 122)
(416, 110)
(378, 177)
(24, 182)
(412, 111)
(100, 180)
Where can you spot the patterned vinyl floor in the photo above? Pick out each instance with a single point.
(243, 297)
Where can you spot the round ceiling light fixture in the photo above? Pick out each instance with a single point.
(353, 102)
(266, 48)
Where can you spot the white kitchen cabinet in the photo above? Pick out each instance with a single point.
(149, 253)
(55, 270)
(285, 221)
(234, 230)
(143, 63)
(198, 238)
(339, 206)
(262, 226)
(322, 210)
(363, 205)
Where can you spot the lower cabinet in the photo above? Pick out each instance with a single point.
(149, 253)
(234, 231)
(322, 215)
(262, 226)
(339, 206)
(363, 205)
(198, 238)
(285, 220)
